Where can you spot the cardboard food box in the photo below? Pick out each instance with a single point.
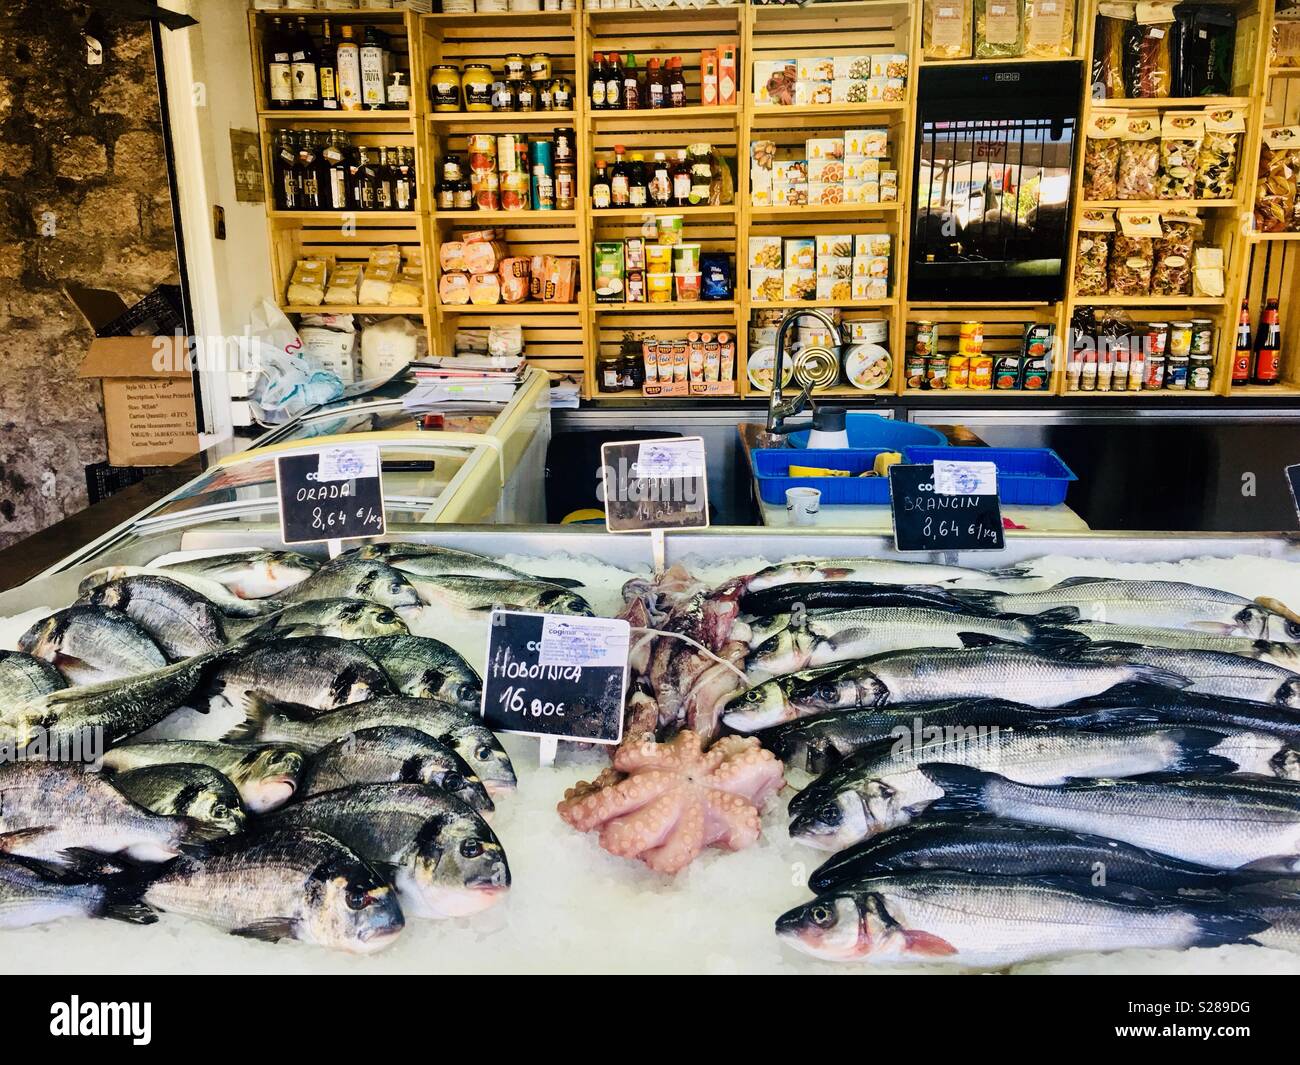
(149, 414)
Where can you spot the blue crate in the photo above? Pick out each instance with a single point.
(772, 468)
(873, 430)
(1029, 476)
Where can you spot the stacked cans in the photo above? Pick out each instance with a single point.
(508, 172)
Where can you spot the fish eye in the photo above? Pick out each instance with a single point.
(467, 691)
(829, 814)
(220, 810)
(471, 848)
(826, 691)
(754, 696)
(822, 916)
(453, 781)
(482, 752)
(1292, 629)
(385, 616)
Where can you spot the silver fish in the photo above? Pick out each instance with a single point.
(993, 921)
(1280, 654)
(426, 669)
(265, 775)
(461, 730)
(322, 672)
(882, 786)
(33, 892)
(295, 884)
(1223, 822)
(180, 620)
(926, 675)
(24, 677)
(214, 591)
(347, 577)
(768, 703)
(875, 570)
(430, 560)
(249, 574)
(390, 754)
(1211, 672)
(445, 860)
(1170, 604)
(90, 644)
(48, 808)
(348, 619)
(476, 597)
(185, 789)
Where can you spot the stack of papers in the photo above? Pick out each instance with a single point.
(463, 379)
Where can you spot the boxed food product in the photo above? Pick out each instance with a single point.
(853, 91)
(634, 253)
(815, 68)
(834, 245)
(813, 93)
(608, 271)
(861, 169)
(453, 288)
(853, 67)
(774, 81)
(866, 245)
(765, 253)
(484, 289)
(798, 252)
(888, 193)
(861, 192)
(761, 197)
(727, 75)
(561, 279)
(870, 288)
(894, 90)
(762, 154)
(834, 288)
(799, 283)
(825, 171)
(790, 172)
(818, 148)
(834, 266)
(766, 286)
(866, 143)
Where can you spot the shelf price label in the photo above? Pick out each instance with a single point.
(555, 676)
(332, 493)
(948, 506)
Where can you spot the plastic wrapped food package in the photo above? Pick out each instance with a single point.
(451, 255)
(1284, 47)
(1132, 253)
(484, 289)
(1139, 158)
(1181, 136)
(1113, 21)
(1148, 52)
(1275, 189)
(1101, 150)
(1216, 164)
(345, 280)
(453, 288)
(999, 29)
(946, 29)
(1049, 28)
(1171, 273)
(1092, 253)
(380, 273)
(408, 289)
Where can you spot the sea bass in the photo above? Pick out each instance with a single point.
(295, 884)
(90, 644)
(347, 577)
(24, 677)
(1224, 822)
(768, 704)
(882, 786)
(426, 669)
(322, 672)
(476, 597)
(347, 619)
(33, 892)
(253, 574)
(876, 570)
(214, 591)
(265, 775)
(430, 560)
(993, 921)
(393, 754)
(1214, 673)
(180, 620)
(1277, 652)
(446, 861)
(849, 595)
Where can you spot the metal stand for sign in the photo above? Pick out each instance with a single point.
(334, 547)
(548, 745)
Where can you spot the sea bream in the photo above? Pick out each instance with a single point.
(254, 574)
(982, 921)
(424, 668)
(182, 789)
(33, 893)
(1226, 822)
(265, 775)
(1170, 604)
(461, 730)
(1214, 673)
(321, 672)
(294, 884)
(875, 570)
(24, 677)
(90, 644)
(431, 560)
(347, 619)
(882, 786)
(214, 591)
(348, 577)
(444, 860)
(180, 620)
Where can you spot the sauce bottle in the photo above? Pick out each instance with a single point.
(596, 82)
(619, 183)
(655, 84)
(600, 191)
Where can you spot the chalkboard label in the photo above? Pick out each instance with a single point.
(655, 484)
(930, 518)
(556, 676)
(332, 493)
(1293, 482)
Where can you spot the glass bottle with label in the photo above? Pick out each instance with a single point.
(614, 82)
(374, 70)
(659, 187)
(306, 84)
(631, 91)
(676, 83)
(680, 174)
(406, 191)
(1268, 347)
(279, 66)
(449, 179)
(609, 371)
(384, 196)
(308, 171)
(637, 193)
(600, 191)
(365, 182)
(348, 64)
(619, 194)
(398, 93)
(701, 174)
(328, 69)
(336, 171)
(284, 165)
(562, 93)
(654, 80)
(1242, 355)
(596, 82)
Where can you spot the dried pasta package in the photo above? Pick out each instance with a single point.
(1109, 33)
(408, 289)
(1181, 134)
(999, 29)
(1132, 253)
(1148, 52)
(1092, 253)
(345, 279)
(1284, 48)
(307, 284)
(1171, 274)
(380, 273)
(1139, 157)
(946, 29)
(1049, 28)
(1275, 190)
(1216, 164)
(1101, 154)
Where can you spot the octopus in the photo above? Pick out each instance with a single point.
(664, 803)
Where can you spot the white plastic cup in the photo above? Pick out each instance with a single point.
(802, 505)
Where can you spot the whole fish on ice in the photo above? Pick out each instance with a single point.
(91, 644)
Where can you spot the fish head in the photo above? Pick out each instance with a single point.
(369, 620)
(561, 601)
(464, 786)
(844, 818)
(1270, 620)
(350, 907)
(384, 585)
(756, 708)
(112, 595)
(455, 868)
(214, 806)
(485, 755)
(829, 927)
(1286, 763)
(1288, 693)
(839, 692)
(268, 777)
(281, 570)
(785, 652)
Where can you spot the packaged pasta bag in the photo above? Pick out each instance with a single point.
(1171, 274)
(380, 273)
(1101, 154)
(1132, 253)
(1148, 52)
(307, 283)
(1049, 28)
(1181, 134)
(946, 29)
(1216, 164)
(1139, 157)
(999, 29)
(1284, 48)
(1109, 34)
(1275, 189)
(1092, 253)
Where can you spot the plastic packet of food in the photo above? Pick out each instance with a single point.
(1171, 273)
(1139, 157)
(1148, 51)
(1275, 188)
(999, 29)
(380, 273)
(1109, 32)
(1132, 253)
(1092, 253)
(1101, 150)
(1049, 28)
(408, 289)
(946, 29)
(1181, 135)
(307, 283)
(1216, 163)
(345, 280)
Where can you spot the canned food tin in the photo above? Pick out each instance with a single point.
(482, 144)
(970, 338)
(958, 372)
(816, 368)
(542, 154)
(508, 153)
(936, 373)
(927, 338)
(514, 191)
(1006, 372)
(1202, 337)
(1180, 339)
(916, 371)
(1176, 372)
(981, 372)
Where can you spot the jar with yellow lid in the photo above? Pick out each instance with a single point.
(476, 87)
(444, 88)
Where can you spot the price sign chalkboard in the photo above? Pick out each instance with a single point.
(1293, 482)
(556, 676)
(955, 511)
(655, 484)
(331, 493)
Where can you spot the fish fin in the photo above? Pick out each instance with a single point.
(1064, 643)
(1265, 886)
(978, 599)
(981, 639)
(963, 787)
(201, 834)
(1273, 863)
(269, 930)
(81, 863)
(927, 944)
(1018, 569)
(1077, 582)
(1166, 678)
(22, 836)
(1213, 628)
(124, 896)
(1057, 615)
(128, 912)
(1196, 744)
(1219, 923)
(562, 582)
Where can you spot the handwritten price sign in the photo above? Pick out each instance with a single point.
(334, 493)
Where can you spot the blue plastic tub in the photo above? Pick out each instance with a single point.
(1029, 476)
(772, 467)
(871, 430)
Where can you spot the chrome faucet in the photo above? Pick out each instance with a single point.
(780, 409)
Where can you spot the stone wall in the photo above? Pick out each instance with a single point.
(83, 198)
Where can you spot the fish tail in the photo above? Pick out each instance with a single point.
(1019, 569)
(1166, 678)
(562, 582)
(1195, 752)
(963, 787)
(124, 899)
(1220, 923)
(976, 598)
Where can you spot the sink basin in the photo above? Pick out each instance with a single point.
(873, 431)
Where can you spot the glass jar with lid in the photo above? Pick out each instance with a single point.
(445, 87)
(476, 87)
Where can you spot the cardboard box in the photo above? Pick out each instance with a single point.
(148, 387)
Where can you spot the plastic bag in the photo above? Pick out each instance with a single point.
(1275, 190)
(1181, 134)
(1092, 253)
(1148, 52)
(1109, 31)
(1216, 164)
(946, 29)
(1049, 28)
(1132, 253)
(1101, 150)
(999, 29)
(1172, 273)
(288, 382)
(1139, 158)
